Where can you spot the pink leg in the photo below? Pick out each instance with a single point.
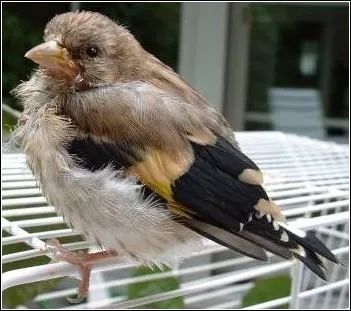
(80, 259)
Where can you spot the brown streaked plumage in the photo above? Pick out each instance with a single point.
(135, 159)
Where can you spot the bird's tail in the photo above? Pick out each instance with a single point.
(287, 242)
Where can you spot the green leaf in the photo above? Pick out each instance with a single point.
(154, 287)
(21, 294)
(8, 122)
(266, 289)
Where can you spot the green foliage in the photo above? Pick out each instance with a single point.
(16, 41)
(269, 288)
(8, 121)
(19, 295)
(153, 287)
(262, 57)
(266, 20)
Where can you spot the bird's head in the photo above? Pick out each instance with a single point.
(87, 48)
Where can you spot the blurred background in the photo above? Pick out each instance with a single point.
(266, 66)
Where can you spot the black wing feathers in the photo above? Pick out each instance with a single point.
(310, 242)
(211, 188)
(94, 155)
(227, 157)
(214, 193)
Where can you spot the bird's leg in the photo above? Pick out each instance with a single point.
(80, 259)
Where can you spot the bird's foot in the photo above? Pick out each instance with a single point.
(83, 261)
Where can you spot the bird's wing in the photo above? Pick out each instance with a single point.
(180, 152)
(176, 149)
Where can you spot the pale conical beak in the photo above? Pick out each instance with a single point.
(54, 57)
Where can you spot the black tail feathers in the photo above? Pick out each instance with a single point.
(310, 252)
(282, 240)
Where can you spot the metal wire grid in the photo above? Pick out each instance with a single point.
(309, 179)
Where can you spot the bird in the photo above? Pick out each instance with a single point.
(137, 160)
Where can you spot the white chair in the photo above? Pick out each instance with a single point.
(297, 111)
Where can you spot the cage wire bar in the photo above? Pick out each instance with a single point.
(308, 178)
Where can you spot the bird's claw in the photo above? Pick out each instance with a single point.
(58, 253)
(76, 300)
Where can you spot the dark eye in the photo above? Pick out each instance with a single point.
(92, 51)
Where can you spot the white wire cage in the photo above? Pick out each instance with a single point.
(308, 178)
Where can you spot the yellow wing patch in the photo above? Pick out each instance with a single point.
(159, 169)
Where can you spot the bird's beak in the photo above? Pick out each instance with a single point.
(54, 57)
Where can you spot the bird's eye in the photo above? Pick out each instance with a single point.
(92, 51)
